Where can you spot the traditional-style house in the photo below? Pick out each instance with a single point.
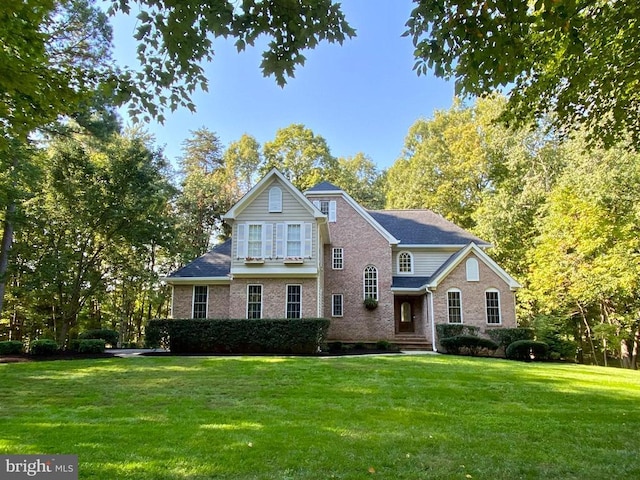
(377, 275)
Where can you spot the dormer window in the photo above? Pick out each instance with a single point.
(275, 200)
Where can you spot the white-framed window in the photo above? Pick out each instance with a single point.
(254, 301)
(254, 240)
(492, 299)
(337, 255)
(200, 301)
(294, 301)
(275, 200)
(294, 240)
(327, 207)
(405, 262)
(473, 271)
(454, 306)
(370, 281)
(337, 305)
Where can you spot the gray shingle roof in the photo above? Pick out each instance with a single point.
(423, 227)
(409, 282)
(324, 187)
(215, 263)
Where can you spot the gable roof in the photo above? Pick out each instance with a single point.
(459, 256)
(215, 264)
(259, 187)
(423, 227)
(329, 189)
(422, 284)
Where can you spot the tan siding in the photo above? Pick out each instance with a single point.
(292, 211)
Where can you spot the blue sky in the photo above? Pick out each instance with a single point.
(361, 97)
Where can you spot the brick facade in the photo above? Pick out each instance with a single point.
(362, 245)
(274, 296)
(472, 294)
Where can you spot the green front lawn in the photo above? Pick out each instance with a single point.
(392, 417)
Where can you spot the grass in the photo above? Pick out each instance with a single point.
(387, 417)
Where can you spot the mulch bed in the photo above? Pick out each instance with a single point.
(45, 358)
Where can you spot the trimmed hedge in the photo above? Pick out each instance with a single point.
(469, 344)
(109, 336)
(11, 347)
(448, 330)
(506, 336)
(527, 350)
(92, 345)
(43, 347)
(299, 336)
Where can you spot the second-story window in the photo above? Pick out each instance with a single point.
(405, 262)
(294, 240)
(254, 243)
(338, 259)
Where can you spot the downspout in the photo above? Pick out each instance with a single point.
(432, 321)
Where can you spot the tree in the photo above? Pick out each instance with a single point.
(243, 159)
(302, 156)
(202, 202)
(584, 264)
(443, 167)
(175, 41)
(58, 55)
(575, 58)
(359, 177)
(99, 204)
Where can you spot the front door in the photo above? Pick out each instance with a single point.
(406, 323)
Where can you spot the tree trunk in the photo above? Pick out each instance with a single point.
(5, 248)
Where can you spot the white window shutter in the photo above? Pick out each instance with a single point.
(280, 240)
(241, 240)
(332, 211)
(267, 241)
(308, 240)
(316, 203)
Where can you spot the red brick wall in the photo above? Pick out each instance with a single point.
(473, 297)
(274, 296)
(362, 246)
(218, 306)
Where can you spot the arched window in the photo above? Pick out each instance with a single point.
(275, 200)
(473, 272)
(454, 306)
(405, 262)
(370, 280)
(492, 298)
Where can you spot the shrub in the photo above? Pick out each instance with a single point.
(447, 330)
(109, 336)
(506, 336)
(468, 344)
(11, 347)
(383, 345)
(335, 346)
(92, 345)
(43, 347)
(527, 350)
(300, 335)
